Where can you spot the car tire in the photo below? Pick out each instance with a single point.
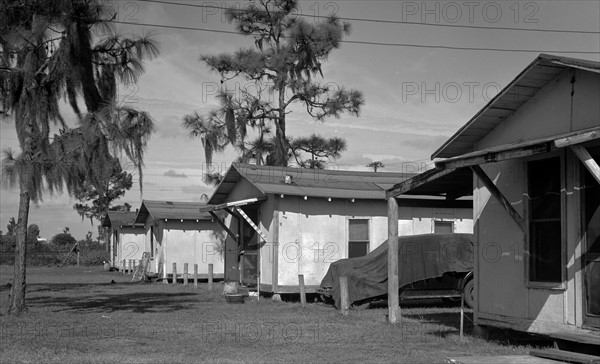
(468, 292)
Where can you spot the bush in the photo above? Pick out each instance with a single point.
(63, 239)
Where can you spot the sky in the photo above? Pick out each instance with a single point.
(415, 97)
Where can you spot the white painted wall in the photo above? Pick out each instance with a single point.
(313, 233)
(131, 245)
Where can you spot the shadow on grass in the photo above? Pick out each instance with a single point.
(99, 298)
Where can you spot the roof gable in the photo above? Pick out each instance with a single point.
(534, 77)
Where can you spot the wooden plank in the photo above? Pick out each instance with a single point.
(501, 359)
(566, 356)
(489, 184)
(302, 289)
(344, 298)
(248, 201)
(577, 139)
(195, 275)
(417, 181)
(393, 299)
(583, 337)
(251, 223)
(275, 242)
(587, 160)
(210, 277)
(174, 273)
(185, 274)
(492, 157)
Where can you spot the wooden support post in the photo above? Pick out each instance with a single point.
(174, 273)
(344, 304)
(587, 160)
(195, 275)
(462, 313)
(78, 254)
(124, 266)
(393, 289)
(302, 289)
(130, 264)
(133, 267)
(491, 187)
(185, 274)
(210, 277)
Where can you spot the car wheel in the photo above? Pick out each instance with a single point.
(469, 293)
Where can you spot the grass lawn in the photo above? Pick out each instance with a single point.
(77, 315)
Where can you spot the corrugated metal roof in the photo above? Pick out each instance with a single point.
(308, 182)
(535, 76)
(119, 218)
(159, 210)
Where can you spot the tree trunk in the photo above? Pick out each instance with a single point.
(280, 132)
(16, 304)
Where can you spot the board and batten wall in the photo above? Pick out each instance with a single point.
(504, 295)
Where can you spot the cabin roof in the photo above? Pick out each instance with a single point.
(534, 77)
(119, 218)
(159, 210)
(308, 182)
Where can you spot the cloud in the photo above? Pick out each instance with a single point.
(172, 173)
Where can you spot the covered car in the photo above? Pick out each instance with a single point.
(420, 257)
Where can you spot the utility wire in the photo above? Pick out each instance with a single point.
(383, 21)
(369, 43)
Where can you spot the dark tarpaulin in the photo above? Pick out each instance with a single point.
(419, 257)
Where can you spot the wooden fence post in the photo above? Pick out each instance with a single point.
(130, 264)
(302, 289)
(134, 265)
(210, 277)
(196, 275)
(185, 274)
(344, 304)
(123, 270)
(174, 273)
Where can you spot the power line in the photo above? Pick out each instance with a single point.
(371, 43)
(385, 21)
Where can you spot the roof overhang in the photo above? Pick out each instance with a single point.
(519, 91)
(520, 149)
(450, 184)
(451, 170)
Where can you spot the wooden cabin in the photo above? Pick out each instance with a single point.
(284, 222)
(534, 152)
(177, 232)
(125, 238)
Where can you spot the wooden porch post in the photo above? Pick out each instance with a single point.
(393, 299)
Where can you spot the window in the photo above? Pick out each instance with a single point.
(358, 237)
(545, 238)
(443, 227)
